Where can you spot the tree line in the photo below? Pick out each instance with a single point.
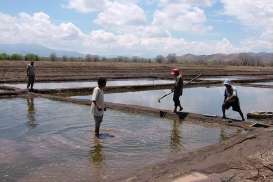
(242, 60)
(19, 57)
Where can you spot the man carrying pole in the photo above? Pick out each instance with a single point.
(178, 89)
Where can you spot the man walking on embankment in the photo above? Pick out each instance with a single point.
(177, 89)
(30, 76)
(231, 100)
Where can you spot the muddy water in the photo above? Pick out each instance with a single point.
(198, 100)
(44, 140)
(82, 84)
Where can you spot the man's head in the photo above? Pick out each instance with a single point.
(102, 82)
(32, 63)
(175, 72)
(227, 84)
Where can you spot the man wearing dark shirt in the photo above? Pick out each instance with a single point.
(178, 89)
(30, 75)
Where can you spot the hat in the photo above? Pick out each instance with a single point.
(227, 82)
(175, 71)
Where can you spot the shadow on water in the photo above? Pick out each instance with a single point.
(31, 113)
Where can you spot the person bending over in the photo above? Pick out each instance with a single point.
(231, 100)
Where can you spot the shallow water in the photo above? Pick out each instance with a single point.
(200, 100)
(83, 84)
(264, 83)
(232, 77)
(43, 140)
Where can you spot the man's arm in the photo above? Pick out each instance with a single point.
(95, 103)
(27, 70)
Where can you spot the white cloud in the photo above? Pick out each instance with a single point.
(121, 14)
(249, 12)
(38, 28)
(107, 43)
(86, 6)
(202, 3)
(181, 17)
(256, 15)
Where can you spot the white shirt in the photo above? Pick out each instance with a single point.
(97, 96)
(234, 92)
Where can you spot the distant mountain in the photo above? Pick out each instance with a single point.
(262, 57)
(36, 49)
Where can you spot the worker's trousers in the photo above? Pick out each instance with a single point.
(98, 121)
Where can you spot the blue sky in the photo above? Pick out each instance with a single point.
(140, 27)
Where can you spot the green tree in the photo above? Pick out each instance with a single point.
(16, 57)
(4, 56)
(32, 57)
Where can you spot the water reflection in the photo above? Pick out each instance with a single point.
(31, 113)
(62, 144)
(96, 153)
(83, 84)
(175, 138)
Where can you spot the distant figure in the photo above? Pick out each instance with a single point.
(178, 89)
(231, 100)
(30, 75)
(97, 106)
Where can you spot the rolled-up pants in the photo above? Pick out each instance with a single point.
(98, 121)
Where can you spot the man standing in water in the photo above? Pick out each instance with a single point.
(178, 89)
(231, 100)
(97, 106)
(30, 75)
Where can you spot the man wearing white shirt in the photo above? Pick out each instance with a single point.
(231, 100)
(97, 106)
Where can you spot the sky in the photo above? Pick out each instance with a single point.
(144, 28)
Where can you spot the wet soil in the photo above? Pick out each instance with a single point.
(15, 71)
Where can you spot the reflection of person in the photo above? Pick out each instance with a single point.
(97, 106)
(231, 99)
(30, 75)
(31, 112)
(175, 135)
(178, 89)
(96, 153)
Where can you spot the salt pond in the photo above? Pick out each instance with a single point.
(264, 83)
(198, 100)
(241, 77)
(83, 84)
(43, 140)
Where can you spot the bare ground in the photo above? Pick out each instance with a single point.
(15, 71)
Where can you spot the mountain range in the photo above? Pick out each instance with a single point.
(36, 49)
(43, 51)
